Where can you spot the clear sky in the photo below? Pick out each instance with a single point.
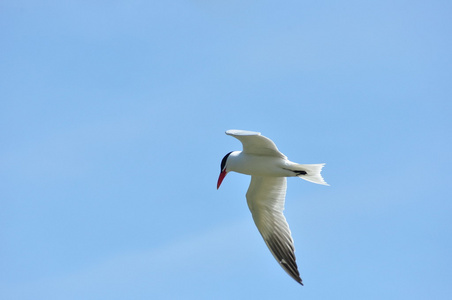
(112, 120)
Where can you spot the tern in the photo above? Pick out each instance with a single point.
(266, 194)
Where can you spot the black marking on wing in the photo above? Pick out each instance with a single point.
(284, 253)
(300, 172)
(265, 199)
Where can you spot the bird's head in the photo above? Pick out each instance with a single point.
(223, 169)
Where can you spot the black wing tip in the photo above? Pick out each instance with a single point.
(293, 272)
(285, 258)
(300, 281)
(297, 278)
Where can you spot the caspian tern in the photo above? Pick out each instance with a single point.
(266, 194)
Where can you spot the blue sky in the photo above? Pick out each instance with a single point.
(112, 120)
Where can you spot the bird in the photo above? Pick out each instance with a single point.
(266, 193)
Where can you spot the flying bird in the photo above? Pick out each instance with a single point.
(266, 194)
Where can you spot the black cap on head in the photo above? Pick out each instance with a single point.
(223, 161)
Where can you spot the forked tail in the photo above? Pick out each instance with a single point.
(310, 172)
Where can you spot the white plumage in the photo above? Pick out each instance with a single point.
(266, 194)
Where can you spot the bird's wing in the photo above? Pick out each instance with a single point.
(255, 143)
(265, 199)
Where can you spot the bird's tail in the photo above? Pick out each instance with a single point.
(310, 173)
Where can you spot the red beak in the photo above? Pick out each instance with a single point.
(220, 179)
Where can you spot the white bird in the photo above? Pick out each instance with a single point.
(266, 194)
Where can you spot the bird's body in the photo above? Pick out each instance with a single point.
(269, 168)
(259, 165)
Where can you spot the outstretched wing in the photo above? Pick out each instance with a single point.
(255, 143)
(265, 197)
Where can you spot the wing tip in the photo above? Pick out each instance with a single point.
(241, 132)
(300, 281)
(294, 274)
